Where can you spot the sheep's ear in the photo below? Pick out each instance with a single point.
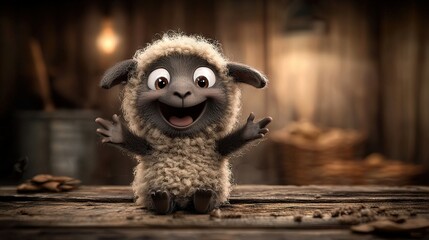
(245, 74)
(118, 73)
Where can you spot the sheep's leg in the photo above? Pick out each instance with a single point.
(162, 201)
(205, 200)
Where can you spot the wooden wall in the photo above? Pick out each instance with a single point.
(404, 81)
(368, 70)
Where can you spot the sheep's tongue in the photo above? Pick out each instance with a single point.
(181, 122)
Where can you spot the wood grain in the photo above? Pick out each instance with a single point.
(254, 211)
(272, 207)
(242, 194)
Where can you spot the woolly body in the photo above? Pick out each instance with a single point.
(181, 165)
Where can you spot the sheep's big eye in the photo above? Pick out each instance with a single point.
(204, 77)
(158, 79)
(161, 83)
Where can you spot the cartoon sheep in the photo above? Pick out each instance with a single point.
(180, 105)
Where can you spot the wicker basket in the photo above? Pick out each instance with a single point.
(373, 170)
(303, 150)
(307, 155)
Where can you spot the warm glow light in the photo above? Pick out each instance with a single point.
(107, 41)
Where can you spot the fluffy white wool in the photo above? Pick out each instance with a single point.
(181, 165)
(178, 43)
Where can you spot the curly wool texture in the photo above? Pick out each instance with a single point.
(181, 165)
(186, 45)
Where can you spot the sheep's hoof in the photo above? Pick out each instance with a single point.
(162, 202)
(204, 200)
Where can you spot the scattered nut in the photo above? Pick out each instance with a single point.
(46, 182)
(365, 212)
(28, 187)
(385, 225)
(362, 228)
(216, 213)
(381, 209)
(335, 213)
(62, 179)
(317, 214)
(73, 182)
(52, 186)
(399, 220)
(394, 214)
(66, 187)
(232, 216)
(41, 178)
(23, 212)
(297, 218)
(178, 214)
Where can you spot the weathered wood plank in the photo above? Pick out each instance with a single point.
(245, 194)
(83, 194)
(255, 212)
(24, 214)
(327, 194)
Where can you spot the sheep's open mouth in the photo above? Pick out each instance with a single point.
(181, 117)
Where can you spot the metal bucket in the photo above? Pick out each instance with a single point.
(59, 143)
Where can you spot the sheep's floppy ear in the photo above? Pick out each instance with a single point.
(118, 73)
(245, 74)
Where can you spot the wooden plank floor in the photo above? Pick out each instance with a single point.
(254, 212)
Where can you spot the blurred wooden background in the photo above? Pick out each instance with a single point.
(354, 64)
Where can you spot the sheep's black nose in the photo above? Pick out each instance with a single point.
(182, 95)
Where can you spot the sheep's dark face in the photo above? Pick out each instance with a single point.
(182, 95)
(179, 92)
